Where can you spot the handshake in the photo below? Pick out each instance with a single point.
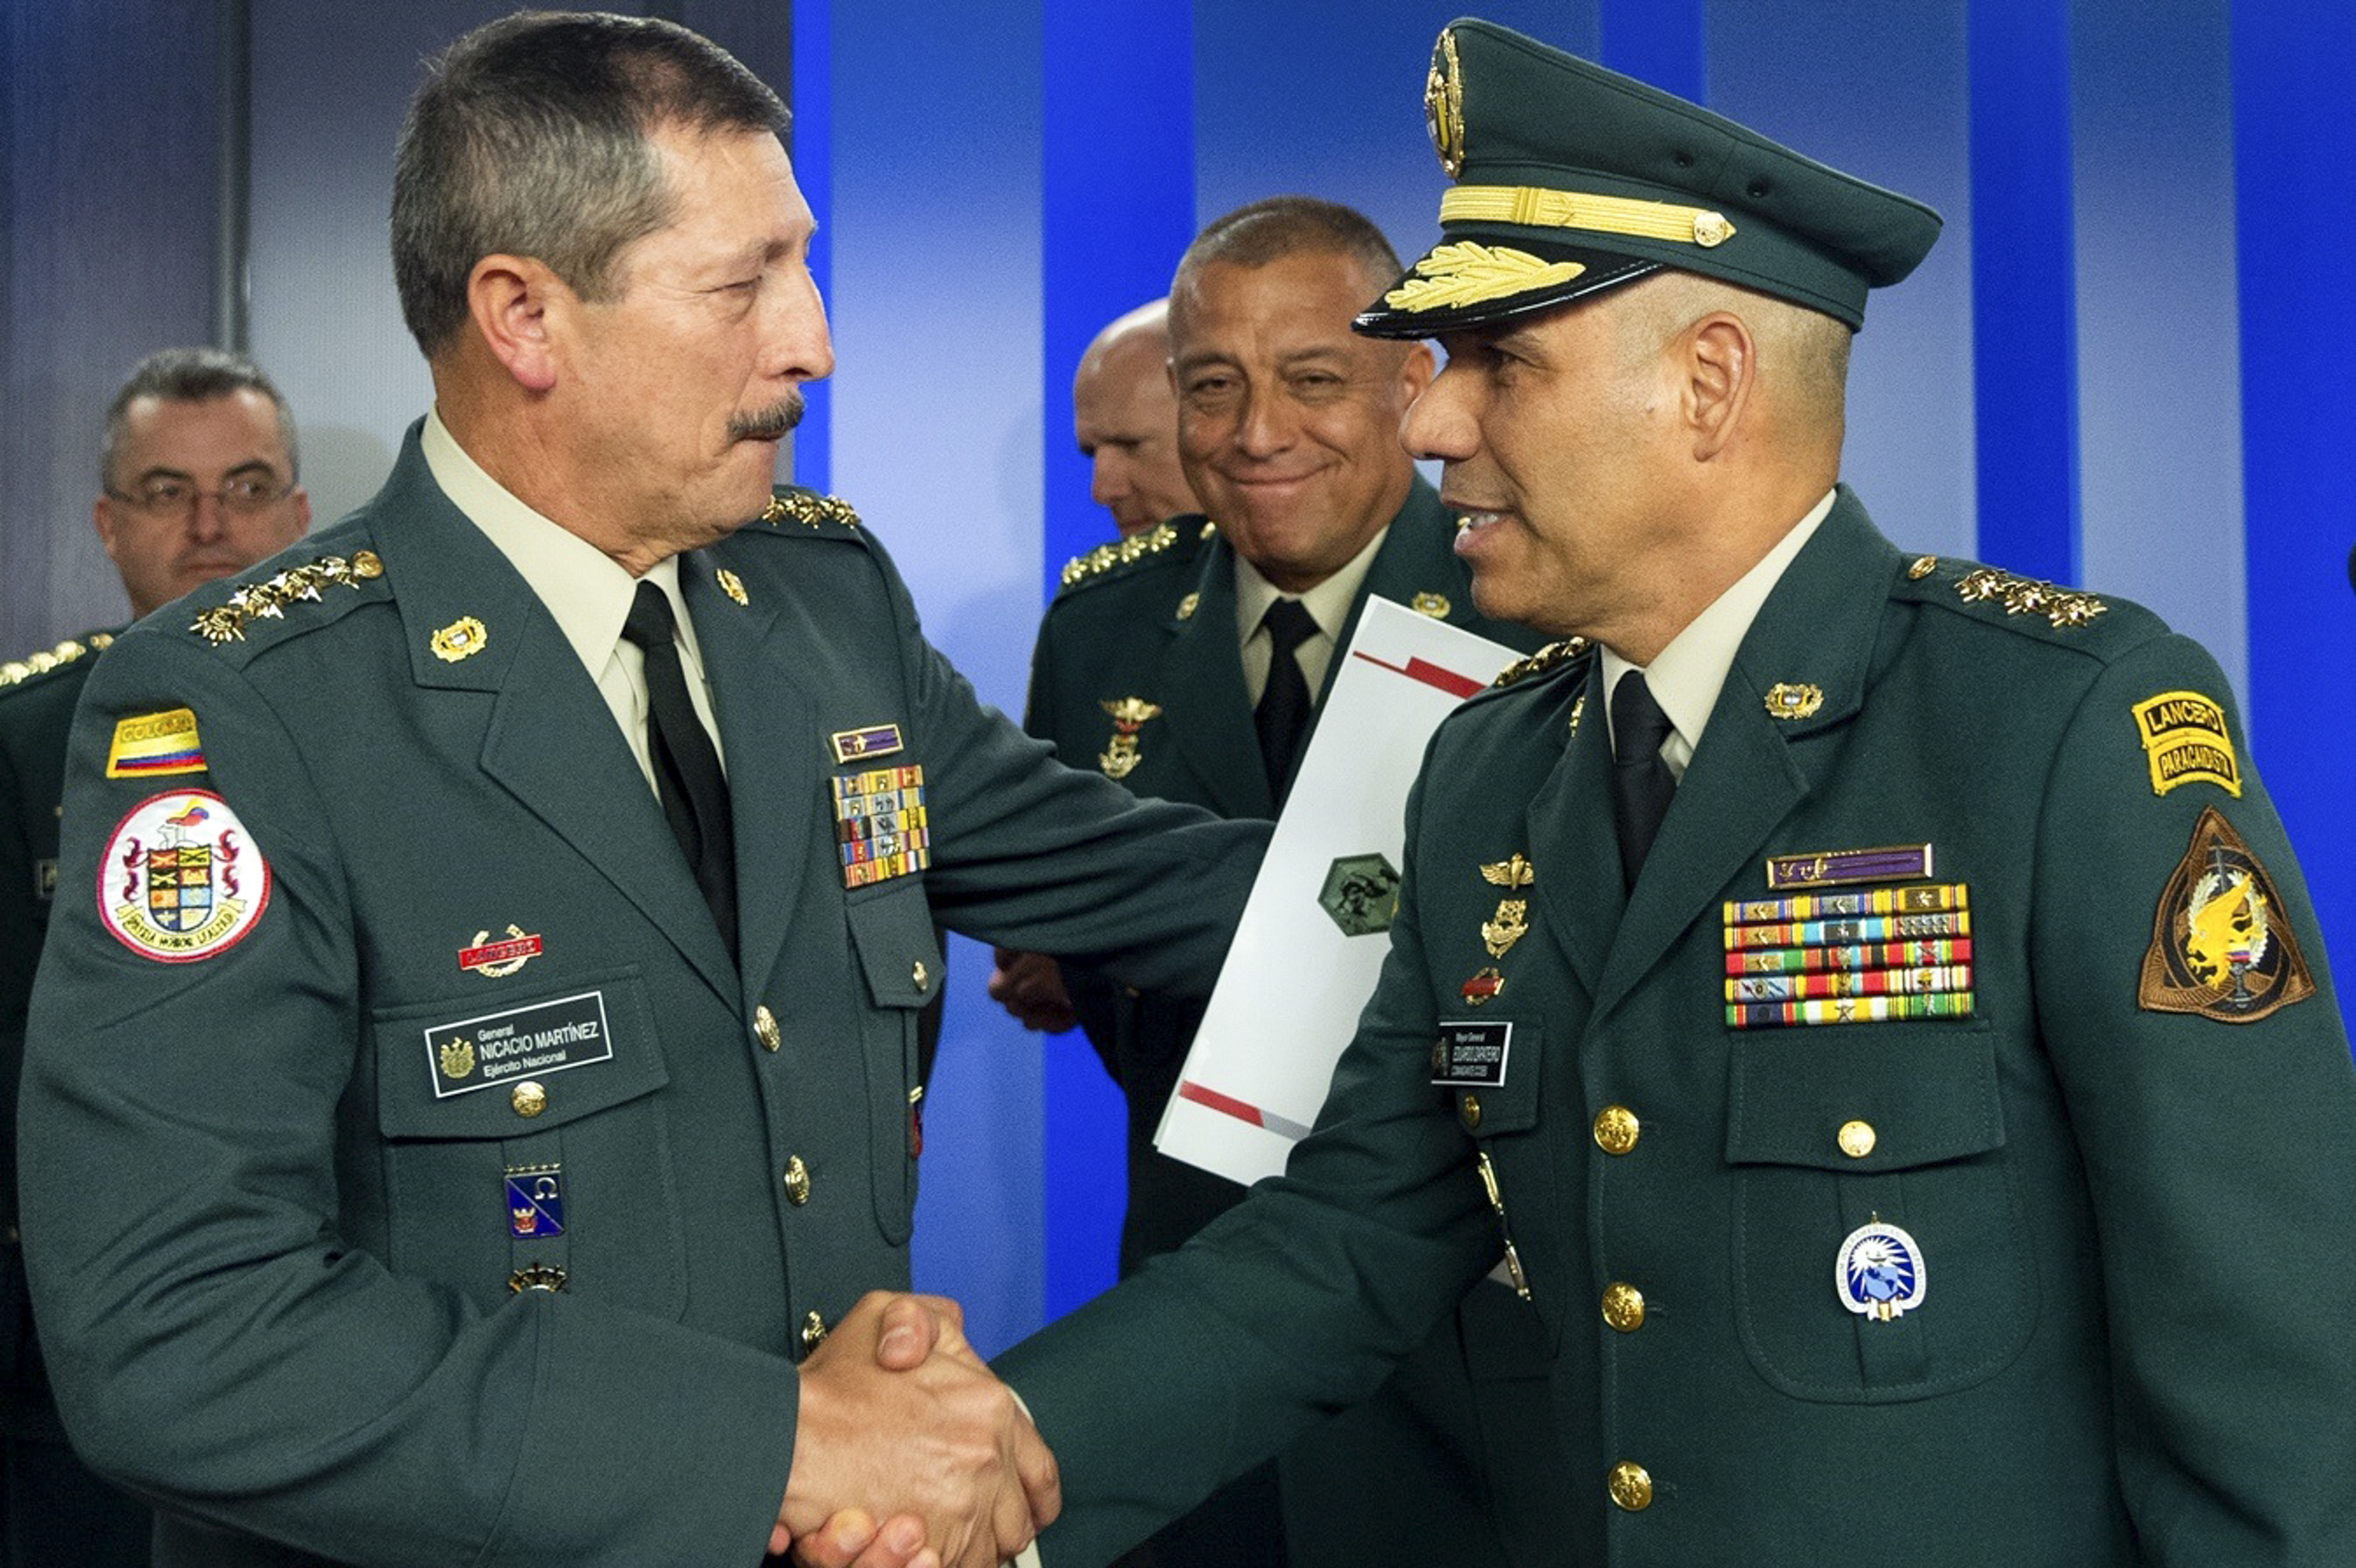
(901, 1421)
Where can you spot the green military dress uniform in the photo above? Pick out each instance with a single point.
(1153, 627)
(416, 1175)
(2123, 1170)
(52, 1510)
(1159, 629)
(1939, 1154)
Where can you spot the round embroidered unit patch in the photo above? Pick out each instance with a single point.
(181, 881)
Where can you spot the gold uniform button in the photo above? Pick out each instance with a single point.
(798, 1182)
(1856, 1139)
(918, 977)
(529, 1098)
(1632, 1486)
(814, 1332)
(1624, 1308)
(1615, 1129)
(1469, 1110)
(765, 1030)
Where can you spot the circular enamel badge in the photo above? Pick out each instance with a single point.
(1880, 1274)
(181, 880)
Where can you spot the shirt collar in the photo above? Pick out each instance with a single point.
(1328, 603)
(586, 591)
(1686, 676)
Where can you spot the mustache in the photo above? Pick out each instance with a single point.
(767, 424)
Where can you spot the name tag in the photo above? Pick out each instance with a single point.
(1471, 1054)
(530, 1042)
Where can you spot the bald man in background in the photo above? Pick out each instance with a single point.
(1124, 417)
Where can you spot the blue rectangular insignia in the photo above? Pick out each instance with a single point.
(871, 741)
(535, 1202)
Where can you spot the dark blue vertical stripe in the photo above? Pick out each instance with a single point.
(2296, 217)
(1659, 41)
(2024, 314)
(813, 156)
(1117, 209)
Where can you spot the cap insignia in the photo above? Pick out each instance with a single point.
(267, 600)
(1469, 273)
(1443, 105)
(1536, 206)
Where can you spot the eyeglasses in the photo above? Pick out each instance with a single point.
(243, 493)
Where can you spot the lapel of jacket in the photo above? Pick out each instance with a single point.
(1210, 714)
(551, 740)
(772, 758)
(1572, 846)
(1817, 629)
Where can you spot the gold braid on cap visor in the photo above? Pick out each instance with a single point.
(1535, 206)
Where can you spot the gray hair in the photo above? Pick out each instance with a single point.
(193, 376)
(1280, 226)
(529, 136)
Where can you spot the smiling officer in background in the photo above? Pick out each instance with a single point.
(475, 1069)
(1192, 663)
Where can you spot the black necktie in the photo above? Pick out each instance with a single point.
(1283, 710)
(687, 767)
(1642, 785)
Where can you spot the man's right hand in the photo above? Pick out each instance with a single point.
(1030, 987)
(939, 1439)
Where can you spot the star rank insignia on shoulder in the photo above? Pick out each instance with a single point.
(815, 512)
(2065, 609)
(269, 598)
(1155, 542)
(16, 672)
(1551, 657)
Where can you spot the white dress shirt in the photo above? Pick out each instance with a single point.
(1328, 604)
(588, 591)
(1686, 676)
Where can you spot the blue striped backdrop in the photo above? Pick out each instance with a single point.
(2114, 370)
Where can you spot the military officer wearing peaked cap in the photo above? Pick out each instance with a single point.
(1910, 1091)
(473, 1076)
(1159, 664)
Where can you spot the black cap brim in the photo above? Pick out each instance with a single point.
(1400, 315)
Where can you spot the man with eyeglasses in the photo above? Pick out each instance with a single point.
(198, 481)
(200, 475)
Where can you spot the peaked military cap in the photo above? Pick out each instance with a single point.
(1571, 179)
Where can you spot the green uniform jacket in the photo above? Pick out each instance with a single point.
(2138, 1339)
(36, 709)
(273, 1221)
(1162, 628)
(55, 1509)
